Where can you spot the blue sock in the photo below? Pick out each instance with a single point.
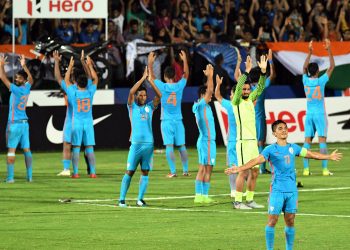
(91, 159)
(184, 158)
(143, 186)
(206, 187)
(10, 172)
(170, 158)
(306, 161)
(290, 235)
(75, 159)
(270, 237)
(124, 187)
(323, 150)
(263, 165)
(28, 160)
(66, 164)
(199, 187)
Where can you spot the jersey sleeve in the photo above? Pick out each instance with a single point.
(64, 86)
(15, 89)
(197, 105)
(267, 82)
(305, 78)
(323, 79)
(226, 104)
(92, 89)
(297, 149)
(266, 153)
(159, 84)
(182, 83)
(89, 82)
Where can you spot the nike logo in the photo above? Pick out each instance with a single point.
(55, 136)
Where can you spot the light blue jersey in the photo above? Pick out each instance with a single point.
(260, 102)
(141, 122)
(171, 99)
(205, 121)
(232, 131)
(18, 102)
(314, 92)
(282, 163)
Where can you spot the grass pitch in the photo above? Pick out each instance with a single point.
(32, 217)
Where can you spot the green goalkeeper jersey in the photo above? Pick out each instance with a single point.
(244, 109)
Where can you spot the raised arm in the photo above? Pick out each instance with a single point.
(69, 71)
(307, 60)
(217, 88)
(334, 156)
(85, 67)
(209, 72)
(238, 66)
(331, 58)
(151, 58)
(25, 68)
(241, 80)
(57, 57)
(156, 99)
(261, 84)
(90, 65)
(254, 162)
(3, 76)
(184, 59)
(272, 66)
(134, 88)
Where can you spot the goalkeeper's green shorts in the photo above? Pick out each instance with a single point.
(246, 151)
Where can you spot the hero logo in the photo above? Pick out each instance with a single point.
(70, 5)
(30, 6)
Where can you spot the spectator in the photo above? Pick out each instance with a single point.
(118, 13)
(133, 32)
(89, 34)
(163, 19)
(201, 17)
(65, 31)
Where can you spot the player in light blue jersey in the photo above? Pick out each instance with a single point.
(231, 155)
(17, 131)
(141, 149)
(316, 116)
(173, 131)
(67, 128)
(283, 191)
(206, 145)
(80, 96)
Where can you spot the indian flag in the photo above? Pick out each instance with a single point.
(292, 56)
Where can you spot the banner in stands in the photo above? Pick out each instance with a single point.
(293, 111)
(60, 9)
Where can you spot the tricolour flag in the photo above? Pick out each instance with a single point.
(292, 56)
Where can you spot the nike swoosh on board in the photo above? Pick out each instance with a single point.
(55, 136)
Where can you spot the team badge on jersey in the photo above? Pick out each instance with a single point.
(291, 150)
(147, 109)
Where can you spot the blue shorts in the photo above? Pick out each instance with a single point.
(316, 123)
(206, 152)
(173, 132)
(17, 133)
(286, 202)
(67, 131)
(231, 154)
(260, 124)
(140, 154)
(83, 134)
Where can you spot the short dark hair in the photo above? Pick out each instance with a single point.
(169, 72)
(202, 90)
(312, 69)
(23, 74)
(141, 88)
(82, 80)
(275, 124)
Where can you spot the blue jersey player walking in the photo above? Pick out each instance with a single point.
(206, 145)
(316, 117)
(17, 131)
(283, 191)
(141, 149)
(80, 97)
(173, 131)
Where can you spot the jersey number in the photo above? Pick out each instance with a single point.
(83, 105)
(287, 159)
(315, 95)
(22, 105)
(172, 99)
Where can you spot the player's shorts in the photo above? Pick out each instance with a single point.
(83, 133)
(67, 131)
(286, 202)
(173, 132)
(316, 123)
(17, 132)
(260, 124)
(246, 151)
(231, 154)
(140, 154)
(206, 152)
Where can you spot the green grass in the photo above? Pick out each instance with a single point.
(31, 217)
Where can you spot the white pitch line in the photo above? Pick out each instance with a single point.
(214, 195)
(204, 210)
